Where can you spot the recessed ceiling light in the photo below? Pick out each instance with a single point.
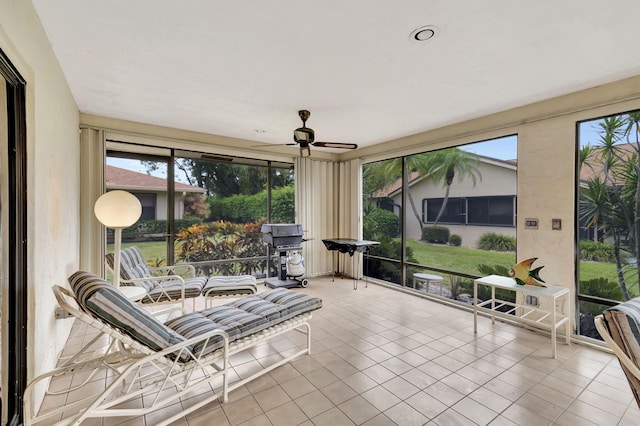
(423, 34)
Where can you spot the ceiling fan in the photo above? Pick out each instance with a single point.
(304, 137)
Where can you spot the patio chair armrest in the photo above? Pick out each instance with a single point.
(167, 269)
(158, 278)
(184, 348)
(617, 350)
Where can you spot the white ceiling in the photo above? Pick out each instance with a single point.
(244, 68)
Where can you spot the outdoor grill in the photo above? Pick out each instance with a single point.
(282, 236)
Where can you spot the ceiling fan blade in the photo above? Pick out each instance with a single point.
(335, 145)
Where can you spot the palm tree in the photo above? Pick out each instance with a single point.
(613, 198)
(390, 170)
(444, 165)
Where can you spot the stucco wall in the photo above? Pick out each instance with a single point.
(53, 178)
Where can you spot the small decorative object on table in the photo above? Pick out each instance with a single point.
(524, 275)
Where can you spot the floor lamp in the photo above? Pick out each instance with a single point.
(117, 210)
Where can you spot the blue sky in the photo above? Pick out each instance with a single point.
(505, 148)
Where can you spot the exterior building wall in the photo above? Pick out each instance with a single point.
(497, 179)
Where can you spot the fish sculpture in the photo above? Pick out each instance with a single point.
(524, 275)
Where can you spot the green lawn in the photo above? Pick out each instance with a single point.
(466, 260)
(458, 259)
(151, 250)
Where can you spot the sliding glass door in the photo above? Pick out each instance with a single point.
(202, 209)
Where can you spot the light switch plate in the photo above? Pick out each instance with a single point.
(556, 224)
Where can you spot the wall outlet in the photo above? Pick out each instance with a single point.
(531, 300)
(556, 224)
(531, 223)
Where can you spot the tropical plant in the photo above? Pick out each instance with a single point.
(380, 222)
(610, 199)
(220, 241)
(496, 242)
(443, 166)
(597, 251)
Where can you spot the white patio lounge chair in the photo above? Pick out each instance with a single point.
(619, 326)
(164, 284)
(164, 362)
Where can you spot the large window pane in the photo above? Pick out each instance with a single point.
(146, 178)
(207, 212)
(608, 180)
(459, 215)
(381, 218)
(230, 211)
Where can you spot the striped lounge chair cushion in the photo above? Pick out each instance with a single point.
(132, 266)
(172, 290)
(623, 322)
(243, 317)
(230, 285)
(238, 319)
(101, 299)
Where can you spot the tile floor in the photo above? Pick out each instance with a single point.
(384, 357)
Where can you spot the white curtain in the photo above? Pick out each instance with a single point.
(328, 205)
(92, 233)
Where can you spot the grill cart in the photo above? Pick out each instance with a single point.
(286, 239)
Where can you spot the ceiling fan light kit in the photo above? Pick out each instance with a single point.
(305, 137)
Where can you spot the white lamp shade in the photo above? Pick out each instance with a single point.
(117, 209)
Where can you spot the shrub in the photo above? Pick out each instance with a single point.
(244, 208)
(435, 234)
(389, 248)
(455, 240)
(381, 222)
(221, 240)
(596, 251)
(496, 242)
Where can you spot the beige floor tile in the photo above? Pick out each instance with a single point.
(490, 399)
(472, 409)
(380, 398)
(444, 393)
(543, 408)
(381, 357)
(592, 413)
(406, 415)
(314, 403)
(297, 387)
(451, 417)
(241, 410)
(271, 398)
(332, 417)
(358, 409)
(287, 414)
(379, 374)
(338, 392)
(569, 419)
(426, 405)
